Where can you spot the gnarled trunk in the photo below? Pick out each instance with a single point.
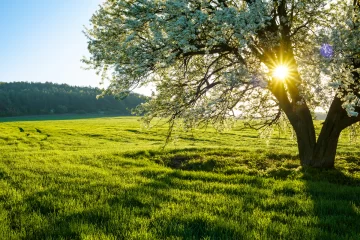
(325, 150)
(305, 133)
(321, 154)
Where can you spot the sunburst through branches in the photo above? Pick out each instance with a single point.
(281, 72)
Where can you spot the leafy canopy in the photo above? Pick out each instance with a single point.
(213, 60)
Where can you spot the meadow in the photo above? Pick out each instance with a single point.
(109, 178)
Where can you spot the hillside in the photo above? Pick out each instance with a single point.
(24, 98)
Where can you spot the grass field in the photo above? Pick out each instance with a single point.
(107, 178)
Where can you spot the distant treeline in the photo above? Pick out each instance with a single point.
(24, 98)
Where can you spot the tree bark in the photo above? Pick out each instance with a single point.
(301, 120)
(324, 151)
(320, 153)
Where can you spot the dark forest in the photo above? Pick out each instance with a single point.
(23, 98)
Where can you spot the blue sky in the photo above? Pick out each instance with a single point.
(42, 40)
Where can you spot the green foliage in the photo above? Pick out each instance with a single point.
(22, 98)
(107, 178)
(207, 58)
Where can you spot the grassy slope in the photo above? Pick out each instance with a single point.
(107, 178)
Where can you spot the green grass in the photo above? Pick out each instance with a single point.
(107, 178)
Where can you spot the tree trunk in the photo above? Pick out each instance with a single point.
(320, 153)
(302, 123)
(325, 148)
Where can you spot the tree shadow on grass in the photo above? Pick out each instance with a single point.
(334, 193)
(145, 207)
(336, 199)
(179, 224)
(72, 226)
(111, 218)
(352, 159)
(198, 227)
(335, 213)
(193, 159)
(120, 216)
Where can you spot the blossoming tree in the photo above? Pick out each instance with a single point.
(214, 60)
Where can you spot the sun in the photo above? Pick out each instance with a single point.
(281, 72)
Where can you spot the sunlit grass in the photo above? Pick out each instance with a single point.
(108, 178)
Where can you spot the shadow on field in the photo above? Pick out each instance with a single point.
(180, 204)
(336, 199)
(115, 218)
(180, 223)
(204, 159)
(122, 215)
(334, 194)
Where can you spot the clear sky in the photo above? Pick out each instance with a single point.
(42, 41)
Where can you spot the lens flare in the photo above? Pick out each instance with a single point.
(327, 50)
(281, 72)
